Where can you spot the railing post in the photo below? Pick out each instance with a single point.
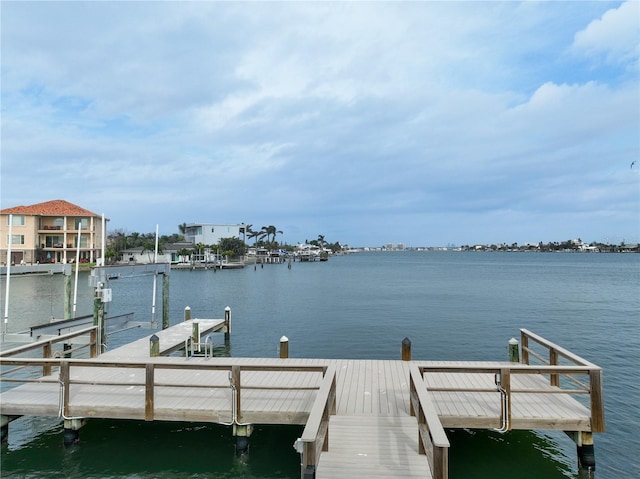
(65, 374)
(440, 462)
(597, 400)
(235, 377)
(195, 334)
(149, 392)
(524, 341)
(505, 379)
(554, 379)
(93, 346)
(46, 354)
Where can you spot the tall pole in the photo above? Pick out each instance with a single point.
(155, 278)
(75, 287)
(103, 241)
(6, 292)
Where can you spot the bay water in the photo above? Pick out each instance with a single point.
(451, 305)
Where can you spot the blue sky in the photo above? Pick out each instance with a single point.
(424, 123)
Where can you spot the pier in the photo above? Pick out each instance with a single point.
(359, 418)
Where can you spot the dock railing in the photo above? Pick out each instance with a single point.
(558, 379)
(315, 436)
(554, 354)
(432, 439)
(58, 346)
(150, 382)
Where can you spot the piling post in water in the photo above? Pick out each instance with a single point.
(514, 353)
(4, 428)
(284, 347)
(242, 433)
(227, 324)
(98, 320)
(406, 349)
(67, 296)
(154, 346)
(585, 449)
(165, 301)
(72, 431)
(187, 313)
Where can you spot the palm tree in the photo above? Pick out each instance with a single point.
(182, 228)
(270, 231)
(246, 229)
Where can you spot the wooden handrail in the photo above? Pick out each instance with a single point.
(432, 439)
(46, 343)
(315, 436)
(525, 335)
(594, 389)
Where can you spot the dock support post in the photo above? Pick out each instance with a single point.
(154, 346)
(165, 301)
(4, 428)
(585, 449)
(195, 334)
(72, 431)
(227, 324)
(98, 320)
(284, 347)
(242, 432)
(514, 353)
(406, 349)
(187, 313)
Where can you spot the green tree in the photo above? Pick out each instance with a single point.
(233, 247)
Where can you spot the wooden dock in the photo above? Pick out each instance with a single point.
(362, 418)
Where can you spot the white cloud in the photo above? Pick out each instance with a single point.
(350, 118)
(615, 36)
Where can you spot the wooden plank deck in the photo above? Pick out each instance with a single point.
(170, 339)
(373, 447)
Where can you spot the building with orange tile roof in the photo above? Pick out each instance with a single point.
(48, 233)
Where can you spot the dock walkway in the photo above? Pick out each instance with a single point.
(362, 418)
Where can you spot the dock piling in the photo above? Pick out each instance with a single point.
(154, 346)
(187, 313)
(227, 324)
(514, 353)
(72, 431)
(406, 349)
(4, 428)
(284, 347)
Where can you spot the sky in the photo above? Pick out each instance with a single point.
(425, 123)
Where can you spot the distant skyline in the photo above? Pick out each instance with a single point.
(423, 123)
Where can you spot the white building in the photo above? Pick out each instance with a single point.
(210, 234)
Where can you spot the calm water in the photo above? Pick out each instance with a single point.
(451, 305)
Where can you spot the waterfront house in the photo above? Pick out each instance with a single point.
(169, 253)
(210, 234)
(48, 233)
